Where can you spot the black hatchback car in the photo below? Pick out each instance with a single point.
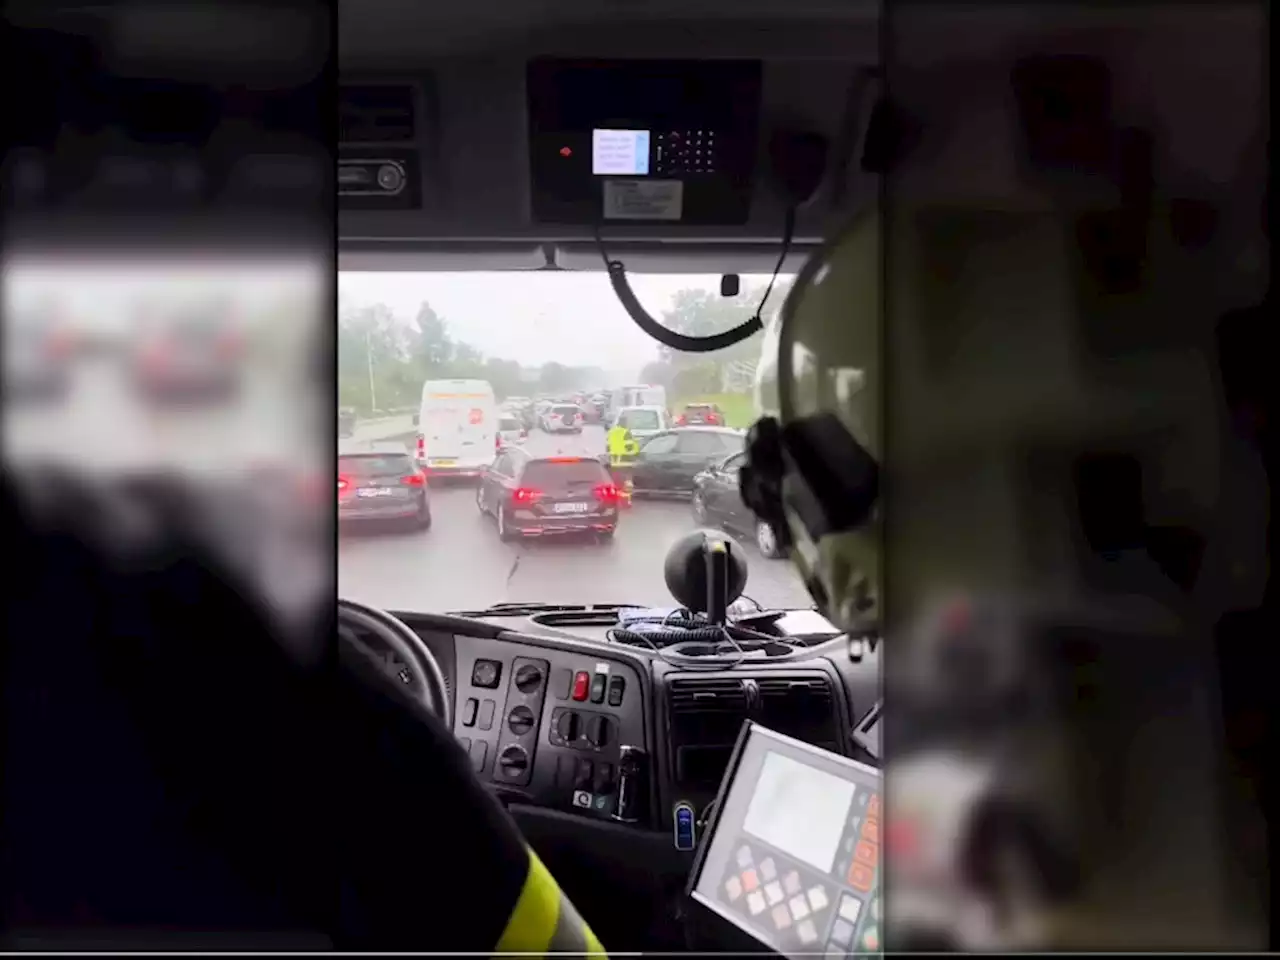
(668, 461)
(379, 482)
(717, 503)
(532, 496)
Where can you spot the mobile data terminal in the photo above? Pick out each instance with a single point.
(791, 855)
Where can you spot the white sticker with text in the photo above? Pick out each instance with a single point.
(643, 199)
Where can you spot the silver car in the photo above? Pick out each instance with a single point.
(562, 418)
(511, 431)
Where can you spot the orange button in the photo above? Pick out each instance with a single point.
(749, 880)
(867, 853)
(871, 831)
(861, 876)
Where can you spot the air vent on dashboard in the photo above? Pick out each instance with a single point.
(708, 696)
(705, 717)
(376, 114)
(800, 708)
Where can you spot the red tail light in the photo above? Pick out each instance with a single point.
(712, 418)
(422, 447)
(60, 345)
(607, 493)
(525, 495)
(497, 441)
(229, 344)
(343, 484)
(414, 480)
(680, 420)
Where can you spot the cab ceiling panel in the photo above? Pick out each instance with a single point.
(464, 174)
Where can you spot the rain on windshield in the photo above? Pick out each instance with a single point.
(442, 362)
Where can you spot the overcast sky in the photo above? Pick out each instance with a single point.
(573, 318)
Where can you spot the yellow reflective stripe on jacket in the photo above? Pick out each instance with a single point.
(544, 921)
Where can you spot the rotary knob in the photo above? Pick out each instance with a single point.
(568, 725)
(528, 678)
(520, 721)
(513, 762)
(390, 177)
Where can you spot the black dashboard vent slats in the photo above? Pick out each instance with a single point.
(705, 717)
(708, 696)
(803, 708)
(381, 113)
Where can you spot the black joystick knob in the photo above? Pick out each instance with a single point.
(528, 678)
(520, 720)
(513, 762)
(706, 571)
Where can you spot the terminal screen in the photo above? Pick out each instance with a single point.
(800, 810)
(792, 856)
(620, 153)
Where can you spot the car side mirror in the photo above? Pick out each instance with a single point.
(415, 419)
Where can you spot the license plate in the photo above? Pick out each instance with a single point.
(375, 492)
(443, 463)
(571, 507)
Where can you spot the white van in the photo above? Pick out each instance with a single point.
(457, 428)
(636, 396)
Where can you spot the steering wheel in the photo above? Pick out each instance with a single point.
(425, 678)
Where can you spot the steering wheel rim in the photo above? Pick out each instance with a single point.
(432, 689)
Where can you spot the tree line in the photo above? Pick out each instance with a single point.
(383, 361)
(700, 312)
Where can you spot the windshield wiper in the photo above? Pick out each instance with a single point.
(528, 609)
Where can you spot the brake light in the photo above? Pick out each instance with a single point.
(680, 420)
(712, 418)
(60, 345)
(497, 441)
(607, 493)
(414, 480)
(525, 495)
(422, 447)
(564, 459)
(229, 344)
(343, 484)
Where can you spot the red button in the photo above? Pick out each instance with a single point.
(581, 685)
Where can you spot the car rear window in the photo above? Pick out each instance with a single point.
(375, 465)
(565, 411)
(700, 408)
(553, 476)
(509, 423)
(640, 419)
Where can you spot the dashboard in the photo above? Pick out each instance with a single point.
(566, 722)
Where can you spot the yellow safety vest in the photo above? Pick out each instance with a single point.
(544, 922)
(622, 448)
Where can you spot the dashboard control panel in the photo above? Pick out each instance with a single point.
(547, 723)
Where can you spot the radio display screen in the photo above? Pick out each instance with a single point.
(620, 153)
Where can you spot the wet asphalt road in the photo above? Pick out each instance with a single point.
(461, 564)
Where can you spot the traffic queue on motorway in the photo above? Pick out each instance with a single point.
(463, 432)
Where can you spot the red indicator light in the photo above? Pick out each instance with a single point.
(566, 152)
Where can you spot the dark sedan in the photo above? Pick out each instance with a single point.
(668, 461)
(717, 503)
(532, 496)
(379, 483)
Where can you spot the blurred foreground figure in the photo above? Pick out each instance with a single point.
(994, 441)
